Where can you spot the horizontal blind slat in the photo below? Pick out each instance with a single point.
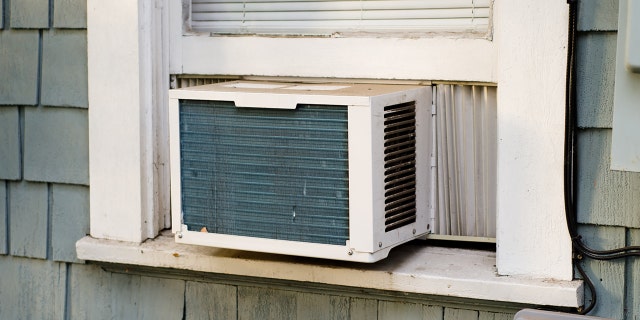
(210, 6)
(335, 15)
(295, 16)
(346, 25)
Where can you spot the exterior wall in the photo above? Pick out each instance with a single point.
(44, 208)
(44, 198)
(607, 201)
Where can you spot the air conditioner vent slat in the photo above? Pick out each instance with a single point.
(391, 200)
(400, 165)
(399, 156)
(407, 169)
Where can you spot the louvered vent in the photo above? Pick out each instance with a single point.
(400, 165)
(265, 173)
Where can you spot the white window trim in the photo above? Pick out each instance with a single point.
(128, 78)
(377, 57)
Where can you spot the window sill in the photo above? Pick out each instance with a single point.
(409, 268)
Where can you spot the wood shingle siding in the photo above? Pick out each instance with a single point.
(44, 199)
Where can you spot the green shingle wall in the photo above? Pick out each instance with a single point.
(64, 68)
(43, 133)
(56, 145)
(29, 14)
(44, 166)
(32, 289)
(69, 219)
(598, 15)
(44, 204)
(3, 218)
(596, 56)
(70, 14)
(608, 276)
(10, 144)
(28, 219)
(19, 67)
(605, 196)
(43, 150)
(607, 201)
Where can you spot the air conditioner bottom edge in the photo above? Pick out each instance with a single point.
(285, 247)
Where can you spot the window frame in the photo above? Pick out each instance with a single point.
(370, 55)
(129, 67)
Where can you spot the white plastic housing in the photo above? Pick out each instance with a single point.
(368, 241)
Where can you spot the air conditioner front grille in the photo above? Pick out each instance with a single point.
(267, 173)
(400, 165)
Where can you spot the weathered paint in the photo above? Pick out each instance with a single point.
(28, 219)
(595, 56)
(605, 197)
(315, 306)
(210, 301)
(56, 145)
(3, 218)
(70, 14)
(632, 278)
(69, 219)
(96, 294)
(264, 303)
(532, 237)
(430, 270)
(64, 68)
(32, 289)
(124, 190)
(30, 14)
(388, 310)
(89, 292)
(460, 314)
(528, 154)
(597, 15)
(607, 276)
(79, 291)
(19, 63)
(363, 309)
(483, 315)
(10, 144)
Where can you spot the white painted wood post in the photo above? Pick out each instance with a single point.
(126, 91)
(532, 233)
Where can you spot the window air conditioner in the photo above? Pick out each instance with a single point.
(336, 171)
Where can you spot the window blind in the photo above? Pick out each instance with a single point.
(339, 16)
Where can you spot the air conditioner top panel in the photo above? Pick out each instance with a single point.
(288, 95)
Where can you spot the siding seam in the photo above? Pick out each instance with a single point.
(6, 14)
(184, 297)
(8, 218)
(49, 221)
(67, 292)
(21, 141)
(50, 14)
(39, 72)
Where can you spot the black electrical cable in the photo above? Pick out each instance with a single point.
(570, 160)
(570, 154)
(592, 289)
